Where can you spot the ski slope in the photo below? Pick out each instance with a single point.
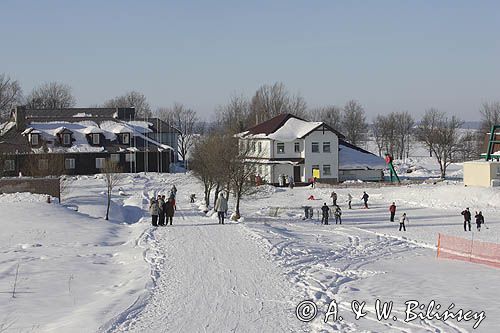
(79, 273)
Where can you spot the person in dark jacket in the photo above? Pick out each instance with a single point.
(326, 213)
(169, 211)
(334, 198)
(392, 209)
(365, 199)
(161, 212)
(467, 218)
(338, 215)
(479, 220)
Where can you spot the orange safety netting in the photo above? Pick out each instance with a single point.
(450, 247)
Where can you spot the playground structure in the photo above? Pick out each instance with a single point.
(490, 154)
(394, 175)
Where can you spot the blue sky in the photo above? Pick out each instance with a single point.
(389, 55)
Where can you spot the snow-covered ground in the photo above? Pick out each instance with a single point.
(80, 273)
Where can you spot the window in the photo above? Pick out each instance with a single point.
(115, 158)
(280, 148)
(253, 146)
(66, 139)
(99, 162)
(9, 165)
(43, 164)
(315, 147)
(95, 138)
(327, 171)
(69, 163)
(126, 138)
(130, 157)
(296, 147)
(259, 147)
(326, 147)
(34, 139)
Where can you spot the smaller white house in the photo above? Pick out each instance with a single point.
(290, 146)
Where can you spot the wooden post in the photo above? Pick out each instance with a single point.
(439, 244)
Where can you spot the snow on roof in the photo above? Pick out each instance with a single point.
(351, 158)
(93, 130)
(291, 130)
(140, 126)
(5, 127)
(82, 115)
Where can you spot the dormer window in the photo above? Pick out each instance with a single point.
(95, 138)
(34, 139)
(126, 138)
(66, 139)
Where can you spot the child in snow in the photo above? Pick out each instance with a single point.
(192, 197)
(402, 222)
(349, 199)
(392, 209)
(365, 199)
(334, 198)
(338, 215)
(326, 212)
(153, 209)
(479, 220)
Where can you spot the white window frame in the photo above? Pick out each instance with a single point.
(325, 168)
(9, 165)
(96, 138)
(115, 158)
(314, 144)
(327, 144)
(43, 164)
(126, 138)
(100, 162)
(68, 137)
(296, 147)
(278, 145)
(34, 139)
(69, 163)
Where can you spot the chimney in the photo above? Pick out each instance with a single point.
(20, 117)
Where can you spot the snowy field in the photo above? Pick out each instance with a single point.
(80, 273)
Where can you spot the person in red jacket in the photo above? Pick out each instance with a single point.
(392, 209)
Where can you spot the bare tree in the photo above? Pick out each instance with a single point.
(112, 177)
(490, 115)
(51, 95)
(441, 136)
(202, 165)
(234, 116)
(330, 115)
(403, 129)
(184, 120)
(10, 95)
(131, 99)
(354, 122)
(272, 100)
(379, 133)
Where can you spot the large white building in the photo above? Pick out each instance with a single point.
(288, 145)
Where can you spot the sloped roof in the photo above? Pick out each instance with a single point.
(352, 157)
(285, 127)
(71, 112)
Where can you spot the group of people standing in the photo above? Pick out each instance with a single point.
(285, 180)
(162, 210)
(468, 217)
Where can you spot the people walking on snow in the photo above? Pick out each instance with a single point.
(404, 219)
(174, 190)
(161, 210)
(338, 215)
(479, 220)
(349, 200)
(153, 210)
(392, 209)
(467, 218)
(192, 197)
(221, 207)
(365, 199)
(326, 213)
(169, 211)
(334, 198)
(291, 182)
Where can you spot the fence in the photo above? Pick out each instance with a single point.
(457, 248)
(49, 186)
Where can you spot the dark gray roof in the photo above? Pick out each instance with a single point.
(121, 113)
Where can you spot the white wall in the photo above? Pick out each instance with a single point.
(322, 158)
(289, 149)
